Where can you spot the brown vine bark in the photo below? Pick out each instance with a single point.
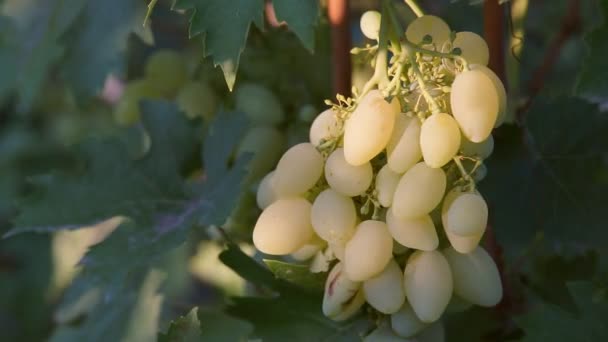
(338, 13)
(494, 33)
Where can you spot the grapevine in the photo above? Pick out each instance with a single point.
(386, 187)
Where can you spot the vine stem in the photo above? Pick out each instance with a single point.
(380, 76)
(413, 5)
(337, 11)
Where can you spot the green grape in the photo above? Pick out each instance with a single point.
(127, 110)
(168, 70)
(259, 104)
(370, 24)
(266, 144)
(472, 47)
(197, 99)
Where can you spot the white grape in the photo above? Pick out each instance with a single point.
(266, 194)
(334, 216)
(475, 104)
(369, 127)
(439, 139)
(386, 182)
(337, 248)
(324, 127)
(370, 24)
(428, 284)
(419, 191)
(384, 292)
(346, 178)
(416, 233)
(283, 227)
(343, 297)
(500, 89)
(464, 213)
(405, 322)
(476, 277)
(369, 250)
(309, 249)
(482, 149)
(463, 244)
(298, 170)
(259, 104)
(480, 173)
(430, 25)
(473, 48)
(384, 333)
(403, 149)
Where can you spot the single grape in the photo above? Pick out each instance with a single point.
(464, 213)
(369, 251)
(259, 104)
(386, 182)
(463, 244)
(403, 149)
(345, 178)
(342, 297)
(324, 127)
(480, 173)
(482, 149)
(266, 194)
(369, 128)
(500, 90)
(334, 217)
(439, 139)
(309, 249)
(428, 284)
(476, 277)
(383, 333)
(167, 69)
(405, 322)
(298, 170)
(472, 47)
(416, 233)
(127, 110)
(429, 25)
(384, 292)
(475, 104)
(370, 24)
(283, 227)
(419, 191)
(197, 99)
(266, 144)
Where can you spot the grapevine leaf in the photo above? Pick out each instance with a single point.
(301, 16)
(184, 329)
(294, 312)
(549, 323)
(547, 178)
(299, 275)
(218, 326)
(459, 328)
(9, 56)
(113, 184)
(99, 44)
(593, 77)
(131, 314)
(223, 26)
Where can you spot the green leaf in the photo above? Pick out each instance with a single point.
(184, 329)
(131, 314)
(593, 77)
(301, 16)
(549, 323)
(247, 267)
(547, 178)
(217, 326)
(98, 44)
(299, 275)
(222, 27)
(113, 184)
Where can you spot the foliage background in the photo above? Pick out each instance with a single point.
(65, 165)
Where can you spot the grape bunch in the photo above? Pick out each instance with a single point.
(167, 76)
(384, 197)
